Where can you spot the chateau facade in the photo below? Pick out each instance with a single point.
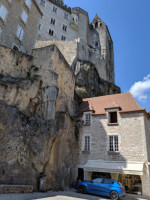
(19, 21)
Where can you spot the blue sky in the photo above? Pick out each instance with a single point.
(129, 25)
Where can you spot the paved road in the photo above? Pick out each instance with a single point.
(66, 195)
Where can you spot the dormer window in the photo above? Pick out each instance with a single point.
(87, 119)
(113, 117)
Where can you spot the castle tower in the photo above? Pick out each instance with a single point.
(100, 38)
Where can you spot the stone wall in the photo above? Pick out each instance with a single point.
(131, 134)
(147, 133)
(60, 20)
(9, 26)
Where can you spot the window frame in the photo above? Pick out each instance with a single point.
(85, 118)
(21, 34)
(63, 38)
(64, 28)
(113, 144)
(28, 3)
(24, 14)
(54, 9)
(3, 18)
(87, 143)
(108, 111)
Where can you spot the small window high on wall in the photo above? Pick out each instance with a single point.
(3, 12)
(96, 24)
(113, 117)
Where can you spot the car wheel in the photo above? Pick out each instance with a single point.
(114, 195)
(82, 189)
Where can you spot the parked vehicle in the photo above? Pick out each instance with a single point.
(102, 186)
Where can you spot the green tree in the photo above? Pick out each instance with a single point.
(62, 1)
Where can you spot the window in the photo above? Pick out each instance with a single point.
(51, 32)
(54, 9)
(113, 143)
(63, 38)
(15, 47)
(3, 12)
(96, 44)
(28, 3)
(40, 26)
(87, 143)
(65, 15)
(87, 119)
(64, 27)
(53, 21)
(113, 117)
(97, 180)
(96, 25)
(24, 16)
(20, 32)
(107, 181)
(43, 3)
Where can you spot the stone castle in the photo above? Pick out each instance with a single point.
(51, 58)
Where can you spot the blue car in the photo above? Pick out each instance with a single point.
(102, 186)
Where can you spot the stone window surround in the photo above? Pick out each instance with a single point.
(119, 143)
(108, 111)
(83, 142)
(64, 28)
(84, 118)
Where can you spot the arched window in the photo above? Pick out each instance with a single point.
(96, 44)
(96, 24)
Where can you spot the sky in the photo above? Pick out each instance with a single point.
(129, 25)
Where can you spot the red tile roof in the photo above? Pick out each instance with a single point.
(124, 101)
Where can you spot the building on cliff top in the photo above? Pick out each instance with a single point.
(19, 21)
(114, 141)
(93, 41)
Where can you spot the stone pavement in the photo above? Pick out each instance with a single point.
(66, 195)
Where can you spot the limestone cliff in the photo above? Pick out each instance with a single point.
(89, 84)
(37, 135)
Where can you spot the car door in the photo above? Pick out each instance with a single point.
(95, 186)
(106, 186)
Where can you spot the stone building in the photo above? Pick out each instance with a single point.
(114, 141)
(90, 42)
(19, 22)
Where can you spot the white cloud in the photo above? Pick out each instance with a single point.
(141, 89)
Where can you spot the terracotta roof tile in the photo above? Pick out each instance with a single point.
(124, 101)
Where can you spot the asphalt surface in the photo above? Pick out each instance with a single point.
(65, 195)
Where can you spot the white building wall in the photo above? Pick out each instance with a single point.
(48, 13)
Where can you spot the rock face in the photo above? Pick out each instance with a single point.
(89, 84)
(36, 131)
(32, 147)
